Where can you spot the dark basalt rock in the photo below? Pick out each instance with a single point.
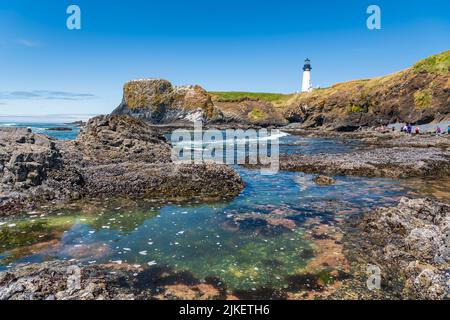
(117, 139)
(113, 156)
(378, 162)
(51, 281)
(60, 129)
(56, 281)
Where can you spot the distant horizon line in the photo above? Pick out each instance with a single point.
(49, 118)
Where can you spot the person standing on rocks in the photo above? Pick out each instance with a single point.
(409, 128)
(404, 128)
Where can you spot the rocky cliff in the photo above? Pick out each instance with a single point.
(420, 94)
(157, 101)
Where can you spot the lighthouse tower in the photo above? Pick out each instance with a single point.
(306, 84)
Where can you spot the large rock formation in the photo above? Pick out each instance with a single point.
(420, 95)
(114, 156)
(120, 139)
(157, 101)
(31, 169)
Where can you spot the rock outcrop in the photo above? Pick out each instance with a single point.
(121, 139)
(250, 111)
(410, 240)
(32, 169)
(378, 162)
(420, 95)
(114, 156)
(157, 101)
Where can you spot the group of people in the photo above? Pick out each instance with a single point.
(408, 128)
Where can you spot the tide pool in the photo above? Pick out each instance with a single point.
(265, 238)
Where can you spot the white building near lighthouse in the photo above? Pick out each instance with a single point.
(306, 84)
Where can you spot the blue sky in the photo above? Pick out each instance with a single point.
(228, 45)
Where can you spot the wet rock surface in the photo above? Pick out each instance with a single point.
(55, 281)
(377, 162)
(114, 156)
(59, 281)
(324, 180)
(410, 242)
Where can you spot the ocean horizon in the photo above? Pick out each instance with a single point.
(50, 118)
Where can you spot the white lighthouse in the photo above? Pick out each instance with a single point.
(306, 84)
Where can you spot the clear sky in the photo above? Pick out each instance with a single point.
(231, 45)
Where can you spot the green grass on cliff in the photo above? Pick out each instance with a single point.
(239, 96)
(438, 64)
(353, 108)
(258, 114)
(423, 98)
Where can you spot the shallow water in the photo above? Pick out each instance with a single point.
(260, 239)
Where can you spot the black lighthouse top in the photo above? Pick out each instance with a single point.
(307, 66)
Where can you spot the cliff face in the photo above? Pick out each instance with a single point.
(251, 111)
(420, 94)
(157, 101)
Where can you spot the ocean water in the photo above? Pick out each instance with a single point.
(240, 242)
(46, 128)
